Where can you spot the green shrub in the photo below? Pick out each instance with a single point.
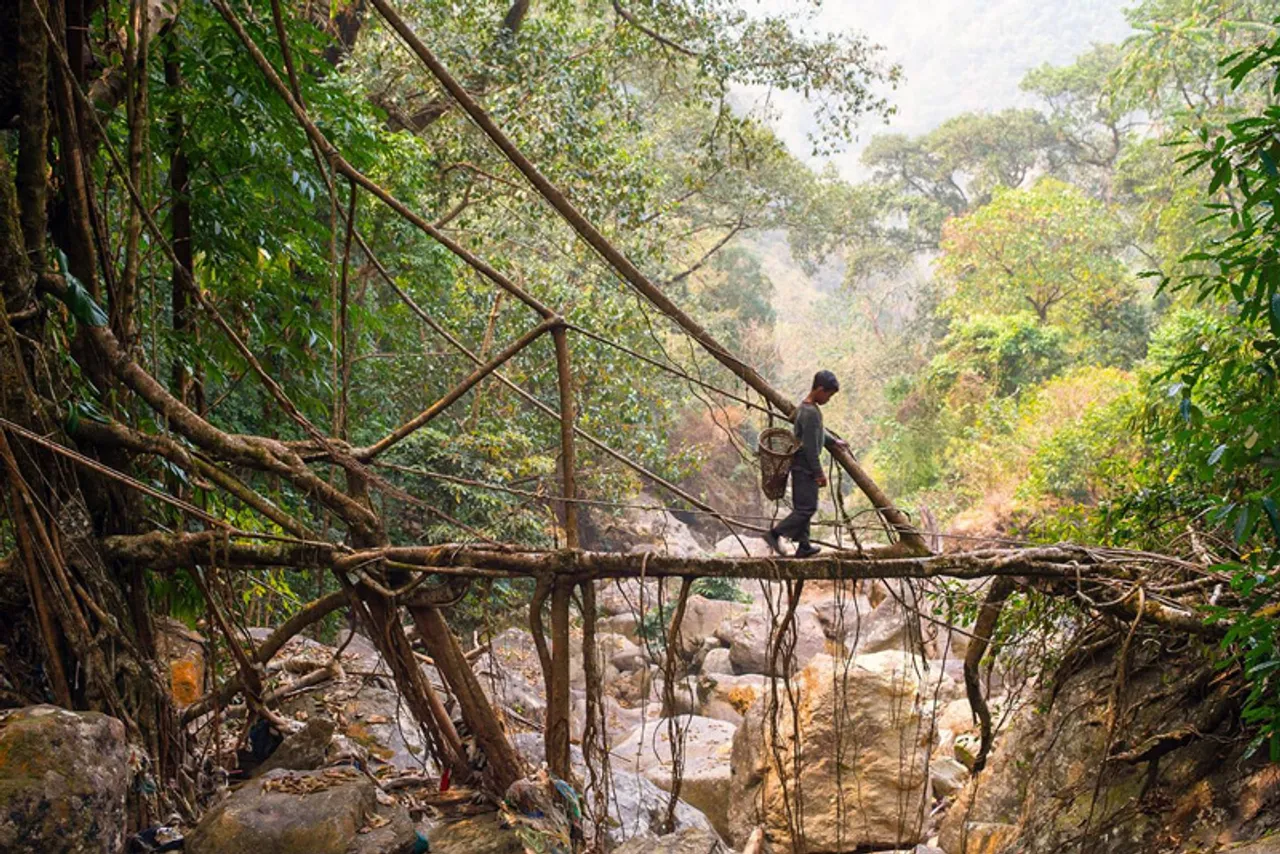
(724, 589)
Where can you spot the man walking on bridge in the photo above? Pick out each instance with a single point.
(806, 469)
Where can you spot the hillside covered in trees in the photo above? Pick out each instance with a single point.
(417, 356)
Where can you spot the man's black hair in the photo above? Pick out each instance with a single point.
(827, 380)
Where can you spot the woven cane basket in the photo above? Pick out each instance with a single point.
(776, 447)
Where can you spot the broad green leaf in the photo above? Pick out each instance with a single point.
(1273, 514)
(77, 298)
(1244, 524)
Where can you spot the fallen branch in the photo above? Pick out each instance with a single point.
(324, 673)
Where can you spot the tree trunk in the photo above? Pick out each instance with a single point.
(478, 714)
(183, 382)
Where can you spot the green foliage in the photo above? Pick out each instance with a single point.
(78, 300)
(1171, 67)
(1002, 413)
(1165, 204)
(1048, 248)
(1085, 461)
(1221, 421)
(490, 606)
(736, 297)
(908, 457)
(776, 52)
(1053, 444)
(654, 622)
(1005, 352)
(725, 589)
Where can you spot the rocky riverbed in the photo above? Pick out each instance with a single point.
(855, 736)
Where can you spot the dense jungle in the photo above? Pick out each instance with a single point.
(385, 392)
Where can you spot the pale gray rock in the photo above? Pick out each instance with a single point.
(707, 747)
(717, 661)
(637, 807)
(749, 635)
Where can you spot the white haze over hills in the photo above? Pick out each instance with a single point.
(956, 56)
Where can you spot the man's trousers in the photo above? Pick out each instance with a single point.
(804, 503)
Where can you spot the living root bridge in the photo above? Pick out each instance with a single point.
(1071, 563)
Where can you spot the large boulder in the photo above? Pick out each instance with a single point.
(63, 779)
(898, 616)
(717, 661)
(980, 837)
(390, 830)
(748, 638)
(862, 755)
(707, 745)
(334, 811)
(640, 530)
(621, 653)
(303, 750)
(951, 721)
(637, 807)
(1052, 772)
(624, 624)
(361, 656)
(887, 627)
(841, 616)
(298, 645)
(684, 695)
(946, 675)
(512, 650)
(511, 674)
(702, 617)
(619, 720)
(947, 776)
(629, 596)
(633, 689)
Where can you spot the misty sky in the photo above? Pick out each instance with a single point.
(957, 55)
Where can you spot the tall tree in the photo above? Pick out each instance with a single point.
(1048, 248)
